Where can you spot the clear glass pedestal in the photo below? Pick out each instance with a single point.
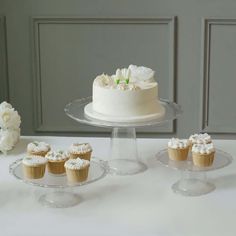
(123, 156)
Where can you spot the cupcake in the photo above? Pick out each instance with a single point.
(77, 170)
(56, 161)
(203, 154)
(200, 139)
(178, 149)
(38, 148)
(81, 150)
(34, 167)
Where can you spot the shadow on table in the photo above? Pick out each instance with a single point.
(225, 182)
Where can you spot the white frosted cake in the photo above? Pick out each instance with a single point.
(129, 95)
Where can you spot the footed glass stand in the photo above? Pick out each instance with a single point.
(193, 181)
(123, 155)
(59, 192)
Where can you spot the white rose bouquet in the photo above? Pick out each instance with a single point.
(9, 127)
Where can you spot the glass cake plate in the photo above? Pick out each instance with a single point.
(124, 159)
(75, 110)
(62, 194)
(193, 181)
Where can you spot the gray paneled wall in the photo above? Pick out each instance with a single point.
(4, 93)
(70, 52)
(54, 51)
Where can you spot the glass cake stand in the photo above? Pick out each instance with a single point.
(61, 194)
(193, 181)
(124, 159)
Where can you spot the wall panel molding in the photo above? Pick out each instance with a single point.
(4, 84)
(39, 125)
(207, 25)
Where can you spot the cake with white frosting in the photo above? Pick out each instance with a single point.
(38, 148)
(34, 167)
(81, 150)
(203, 154)
(178, 149)
(131, 94)
(77, 170)
(56, 161)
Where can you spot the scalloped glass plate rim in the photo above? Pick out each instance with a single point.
(82, 118)
(102, 164)
(228, 160)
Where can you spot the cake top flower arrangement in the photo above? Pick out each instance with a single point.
(9, 127)
(126, 79)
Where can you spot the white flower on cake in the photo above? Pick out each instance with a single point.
(104, 80)
(130, 87)
(141, 73)
(9, 127)
(122, 75)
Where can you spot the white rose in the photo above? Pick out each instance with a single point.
(8, 138)
(9, 118)
(5, 105)
(141, 73)
(6, 141)
(15, 133)
(103, 80)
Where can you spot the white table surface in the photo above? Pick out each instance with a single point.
(142, 204)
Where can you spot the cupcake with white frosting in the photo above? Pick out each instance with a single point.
(203, 154)
(38, 148)
(81, 150)
(34, 167)
(200, 139)
(56, 161)
(77, 170)
(178, 149)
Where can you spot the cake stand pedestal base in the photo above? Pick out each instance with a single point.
(59, 199)
(193, 184)
(123, 158)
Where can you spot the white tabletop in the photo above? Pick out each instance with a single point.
(142, 204)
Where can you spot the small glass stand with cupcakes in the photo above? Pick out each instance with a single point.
(193, 158)
(49, 173)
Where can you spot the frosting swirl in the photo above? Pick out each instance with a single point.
(178, 143)
(56, 156)
(80, 148)
(38, 147)
(34, 160)
(76, 164)
(205, 148)
(200, 138)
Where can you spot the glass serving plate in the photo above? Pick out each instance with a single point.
(75, 110)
